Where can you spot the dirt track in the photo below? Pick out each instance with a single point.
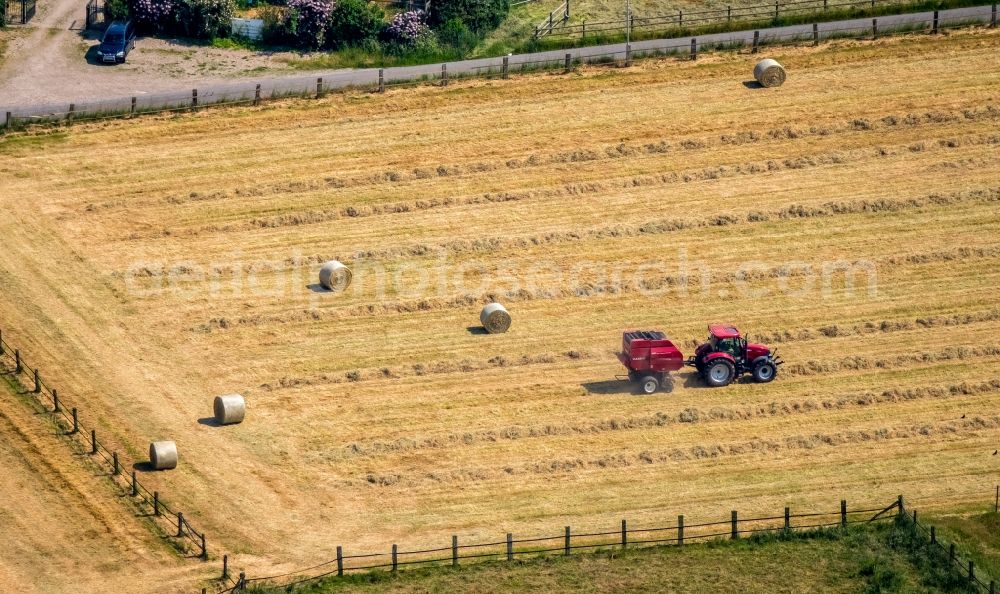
(53, 59)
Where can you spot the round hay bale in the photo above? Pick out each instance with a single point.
(230, 409)
(334, 276)
(769, 73)
(163, 455)
(495, 318)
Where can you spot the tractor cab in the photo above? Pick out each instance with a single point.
(727, 355)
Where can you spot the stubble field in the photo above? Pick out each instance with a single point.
(149, 266)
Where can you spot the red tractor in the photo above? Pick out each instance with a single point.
(727, 355)
(650, 356)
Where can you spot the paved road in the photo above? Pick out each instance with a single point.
(279, 85)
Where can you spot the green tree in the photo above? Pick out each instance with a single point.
(354, 21)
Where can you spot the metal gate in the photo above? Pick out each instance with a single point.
(16, 12)
(97, 14)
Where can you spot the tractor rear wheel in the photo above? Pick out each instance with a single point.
(719, 373)
(649, 384)
(764, 372)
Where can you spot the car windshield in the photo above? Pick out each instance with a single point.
(114, 38)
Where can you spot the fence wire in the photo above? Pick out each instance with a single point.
(242, 94)
(82, 435)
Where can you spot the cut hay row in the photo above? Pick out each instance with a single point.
(879, 125)
(389, 416)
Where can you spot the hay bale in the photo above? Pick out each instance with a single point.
(769, 73)
(163, 455)
(230, 409)
(495, 318)
(334, 276)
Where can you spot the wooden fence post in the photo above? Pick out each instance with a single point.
(204, 549)
(395, 557)
(180, 524)
(69, 114)
(933, 535)
(225, 567)
(566, 14)
(454, 550)
(996, 502)
(874, 28)
(993, 23)
(680, 17)
(815, 34)
(1, 342)
(972, 574)
(843, 513)
(735, 526)
(156, 503)
(340, 560)
(76, 422)
(506, 67)
(9, 121)
(624, 534)
(55, 400)
(444, 75)
(914, 519)
(729, 12)
(567, 541)
(135, 485)
(900, 510)
(319, 87)
(788, 518)
(242, 584)
(993, 587)
(381, 80)
(114, 463)
(510, 546)
(194, 99)
(256, 96)
(628, 54)
(131, 109)
(584, 28)
(694, 48)
(569, 63)
(776, 9)
(826, 4)
(934, 27)
(951, 553)
(756, 42)
(93, 441)
(18, 367)
(680, 530)
(38, 383)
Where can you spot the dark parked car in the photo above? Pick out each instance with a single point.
(118, 41)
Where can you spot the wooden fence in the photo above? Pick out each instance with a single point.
(67, 417)
(379, 80)
(566, 542)
(556, 18)
(744, 14)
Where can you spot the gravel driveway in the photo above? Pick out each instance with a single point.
(52, 60)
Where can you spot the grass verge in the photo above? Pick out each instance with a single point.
(889, 557)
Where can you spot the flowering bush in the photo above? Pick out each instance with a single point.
(157, 15)
(353, 22)
(408, 28)
(205, 19)
(310, 20)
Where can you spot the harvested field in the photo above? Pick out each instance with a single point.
(849, 218)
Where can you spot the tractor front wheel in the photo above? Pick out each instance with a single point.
(649, 384)
(764, 372)
(719, 373)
